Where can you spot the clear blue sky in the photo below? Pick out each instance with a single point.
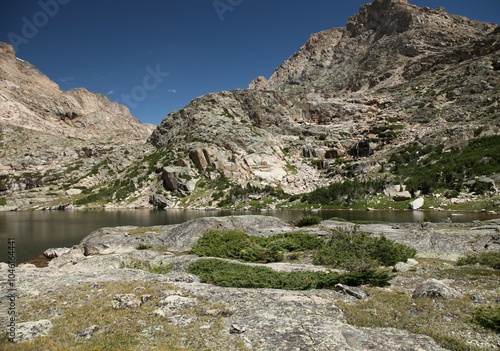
(164, 53)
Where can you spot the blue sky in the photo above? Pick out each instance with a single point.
(157, 55)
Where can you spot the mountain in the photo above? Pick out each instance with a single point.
(401, 102)
(49, 136)
(396, 76)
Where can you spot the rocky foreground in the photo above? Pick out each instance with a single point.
(100, 294)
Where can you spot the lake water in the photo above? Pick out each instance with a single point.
(36, 231)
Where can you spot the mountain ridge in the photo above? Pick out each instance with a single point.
(395, 79)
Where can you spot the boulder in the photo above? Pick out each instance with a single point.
(417, 203)
(56, 252)
(435, 288)
(402, 196)
(126, 302)
(158, 201)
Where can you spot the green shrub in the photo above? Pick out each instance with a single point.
(489, 258)
(359, 252)
(345, 193)
(308, 220)
(217, 272)
(235, 244)
(3, 201)
(488, 317)
(144, 246)
(429, 168)
(294, 242)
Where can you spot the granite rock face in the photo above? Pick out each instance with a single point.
(51, 136)
(429, 72)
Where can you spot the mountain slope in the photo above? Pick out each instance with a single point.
(396, 76)
(55, 137)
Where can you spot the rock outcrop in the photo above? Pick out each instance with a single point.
(56, 137)
(429, 73)
(108, 270)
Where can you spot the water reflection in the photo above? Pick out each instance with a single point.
(36, 231)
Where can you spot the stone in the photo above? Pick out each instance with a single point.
(28, 331)
(56, 252)
(237, 329)
(417, 203)
(352, 291)
(434, 288)
(402, 196)
(89, 332)
(158, 201)
(126, 302)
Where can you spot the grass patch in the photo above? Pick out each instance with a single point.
(488, 258)
(3, 201)
(308, 221)
(218, 272)
(439, 319)
(234, 244)
(488, 317)
(146, 266)
(74, 309)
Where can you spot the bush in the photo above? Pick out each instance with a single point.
(488, 317)
(490, 259)
(345, 193)
(235, 244)
(360, 252)
(429, 168)
(144, 246)
(3, 201)
(308, 220)
(226, 274)
(293, 242)
(238, 245)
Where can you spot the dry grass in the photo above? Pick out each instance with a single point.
(77, 308)
(449, 322)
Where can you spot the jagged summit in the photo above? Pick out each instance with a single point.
(375, 46)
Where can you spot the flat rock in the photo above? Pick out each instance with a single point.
(30, 330)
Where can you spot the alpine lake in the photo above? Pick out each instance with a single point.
(36, 231)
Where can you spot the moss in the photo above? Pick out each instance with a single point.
(3, 201)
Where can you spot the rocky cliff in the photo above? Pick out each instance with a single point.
(396, 75)
(50, 136)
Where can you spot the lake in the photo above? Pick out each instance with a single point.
(36, 231)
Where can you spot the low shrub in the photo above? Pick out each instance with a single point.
(235, 244)
(144, 246)
(293, 242)
(359, 252)
(308, 220)
(489, 258)
(488, 317)
(217, 272)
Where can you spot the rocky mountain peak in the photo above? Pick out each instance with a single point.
(382, 16)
